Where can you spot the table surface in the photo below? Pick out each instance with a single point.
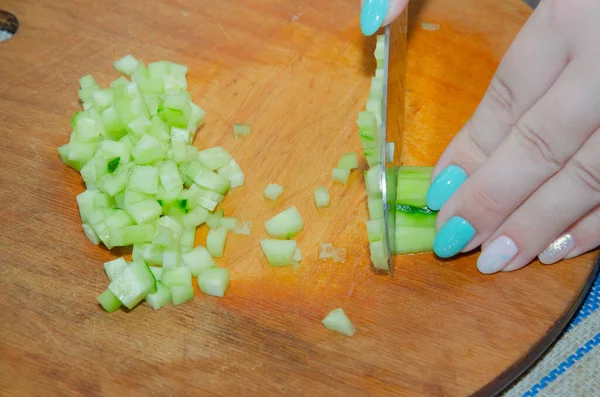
(298, 71)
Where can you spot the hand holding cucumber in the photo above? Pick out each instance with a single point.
(522, 177)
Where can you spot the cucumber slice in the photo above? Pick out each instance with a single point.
(133, 284)
(126, 65)
(87, 81)
(322, 198)
(91, 235)
(198, 260)
(195, 218)
(348, 161)
(169, 176)
(145, 211)
(375, 207)
(378, 255)
(148, 150)
(373, 181)
(109, 301)
(233, 173)
(340, 175)
(160, 298)
(114, 268)
(413, 184)
(273, 191)
(215, 241)
(63, 153)
(149, 253)
(297, 255)
(375, 229)
(130, 235)
(157, 272)
(186, 242)
(214, 281)
(143, 179)
(337, 321)
(286, 224)
(229, 223)
(241, 130)
(181, 293)
(214, 158)
(214, 220)
(177, 276)
(279, 252)
(171, 257)
(206, 178)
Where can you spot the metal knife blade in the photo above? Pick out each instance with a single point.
(392, 125)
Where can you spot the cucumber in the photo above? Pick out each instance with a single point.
(198, 260)
(322, 198)
(133, 284)
(340, 175)
(279, 252)
(348, 161)
(286, 224)
(214, 158)
(241, 130)
(214, 281)
(160, 298)
(337, 321)
(273, 191)
(109, 301)
(176, 276)
(114, 268)
(181, 294)
(215, 241)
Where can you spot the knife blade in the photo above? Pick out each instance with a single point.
(392, 125)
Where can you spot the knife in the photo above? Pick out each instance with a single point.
(392, 125)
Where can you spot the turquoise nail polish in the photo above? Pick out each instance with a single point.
(372, 15)
(444, 186)
(453, 237)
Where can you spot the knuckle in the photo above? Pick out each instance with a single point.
(567, 11)
(502, 100)
(588, 175)
(476, 149)
(487, 206)
(538, 148)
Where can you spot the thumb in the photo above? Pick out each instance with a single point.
(377, 13)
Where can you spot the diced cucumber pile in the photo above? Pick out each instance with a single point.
(148, 186)
(413, 223)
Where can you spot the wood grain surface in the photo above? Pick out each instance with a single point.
(298, 71)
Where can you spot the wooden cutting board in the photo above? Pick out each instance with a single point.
(298, 71)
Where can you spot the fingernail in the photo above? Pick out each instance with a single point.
(444, 186)
(497, 255)
(558, 250)
(453, 237)
(372, 14)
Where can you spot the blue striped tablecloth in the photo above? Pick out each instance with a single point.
(571, 367)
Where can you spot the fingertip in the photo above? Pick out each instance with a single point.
(396, 8)
(377, 13)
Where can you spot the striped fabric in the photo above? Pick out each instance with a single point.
(571, 368)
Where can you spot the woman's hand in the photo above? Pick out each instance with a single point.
(522, 177)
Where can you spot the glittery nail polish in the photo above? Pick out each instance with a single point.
(558, 249)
